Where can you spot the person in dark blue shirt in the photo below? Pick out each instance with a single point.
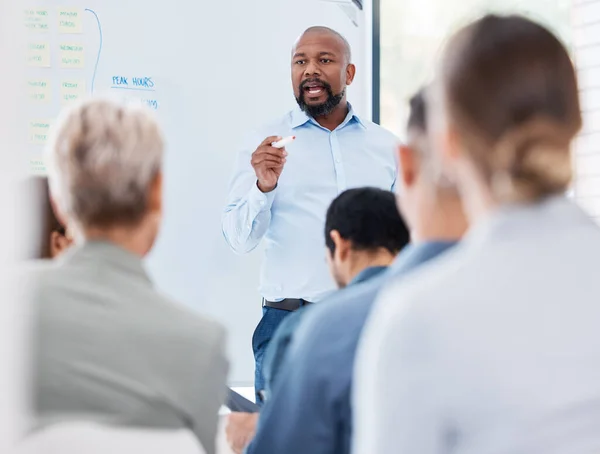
(309, 409)
(363, 235)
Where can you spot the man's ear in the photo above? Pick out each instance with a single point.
(58, 244)
(155, 197)
(408, 165)
(350, 73)
(342, 246)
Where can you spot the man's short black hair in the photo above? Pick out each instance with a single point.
(369, 218)
(417, 119)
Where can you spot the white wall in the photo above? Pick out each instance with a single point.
(13, 354)
(240, 79)
(586, 39)
(220, 68)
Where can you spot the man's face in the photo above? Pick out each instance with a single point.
(320, 72)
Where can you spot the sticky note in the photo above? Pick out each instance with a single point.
(37, 19)
(71, 91)
(70, 20)
(38, 54)
(71, 55)
(39, 90)
(37, 166)
(39, 131)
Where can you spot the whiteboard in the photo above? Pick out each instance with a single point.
(212, 70)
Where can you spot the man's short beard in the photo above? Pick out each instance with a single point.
(324, 109)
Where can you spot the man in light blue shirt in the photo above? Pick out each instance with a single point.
(309, 409)
(282, 195)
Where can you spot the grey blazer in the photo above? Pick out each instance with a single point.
(492, 349)
(110, 348)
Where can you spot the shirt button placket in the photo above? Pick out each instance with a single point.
(340, 174)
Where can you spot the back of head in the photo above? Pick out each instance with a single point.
(511, 94)
(417, 133)
(102, 161)
(427, 199)
(417, 118)
(369, 218)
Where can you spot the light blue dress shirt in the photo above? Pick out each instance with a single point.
(320, 165)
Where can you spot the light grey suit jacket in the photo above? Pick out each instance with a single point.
(492, 349)
(110, 348)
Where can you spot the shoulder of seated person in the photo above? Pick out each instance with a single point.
(428, 289)
(333, 312)
(36, 271)
(185, 312)
(348, 298)
(197, 323)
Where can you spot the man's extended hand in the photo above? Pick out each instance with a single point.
(268, 163)
(240, 430)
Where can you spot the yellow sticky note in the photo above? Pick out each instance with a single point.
(39, 131)
(38, 54)
(70, 20)
(37, 19)
(71, 91)
(37, 166)
(39, 90)
(72, 55)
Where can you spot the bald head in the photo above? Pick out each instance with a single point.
(322, 30)
(321, 71)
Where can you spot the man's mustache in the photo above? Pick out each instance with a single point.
(313, 81)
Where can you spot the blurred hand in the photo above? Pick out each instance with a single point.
(268, 163)
(240, 430)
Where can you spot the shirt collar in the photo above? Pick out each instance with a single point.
(367, 274)
(108, 254)
(299, 118)
(414, 255)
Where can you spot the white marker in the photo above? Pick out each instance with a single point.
(283, 142)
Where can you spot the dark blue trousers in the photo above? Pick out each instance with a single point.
(260, 340)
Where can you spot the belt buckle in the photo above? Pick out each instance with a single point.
(286, 304)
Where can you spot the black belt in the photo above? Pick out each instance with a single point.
(288, 304)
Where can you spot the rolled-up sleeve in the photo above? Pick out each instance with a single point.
(247, 214)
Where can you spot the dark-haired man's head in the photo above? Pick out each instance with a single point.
(429, 204)
(362, 229)
(321, 70)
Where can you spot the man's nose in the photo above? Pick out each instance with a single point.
(312, 69)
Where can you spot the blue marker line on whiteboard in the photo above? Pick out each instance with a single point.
(132, 88)
(99, 48)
